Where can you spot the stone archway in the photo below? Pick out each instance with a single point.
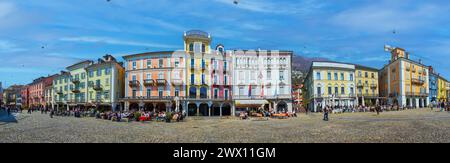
(215, 109)
(204, 109)
(282, 106)
(192, 109)
(226, 109)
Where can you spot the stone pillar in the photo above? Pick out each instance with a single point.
(127, 106)
(198, 108)
(220, 110)
(209, 110)
(233, 109)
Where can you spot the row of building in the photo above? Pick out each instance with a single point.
(198, 80)
(402, 82)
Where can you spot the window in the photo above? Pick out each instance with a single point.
(373, 75)
(318, 76)
(149, 76)
(133, 78)
(149, 63)
(366, 75)
(359, 74)
(106, 94)
(191, 47)
(107, 71)
(134, 65)
(97, 83)
(329, 91)
(225, 80)
(161, 63)
(336, 90)
(342, 90)
(91, 73)
(281, 75)
(99, 72)
(226, 94)
(160, 92)
(203, 48)
(253, 91)
(177, 92)
(134, 93)
(351, 77)
(160, 75)
(269, 75)
(149, 92)
(98, 96)
(216, 80)
(177, 62)
(329, 76)
(216, 93)
(319, 91)
(335, 76)
(83, 75)
(192, 78)
(203, 79)
(241, 91)
(225, 65)
(342, 76)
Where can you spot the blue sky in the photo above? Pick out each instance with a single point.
(345, 30)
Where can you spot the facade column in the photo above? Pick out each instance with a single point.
(233, 109)
(221, 110)
(209, 110)
(198, 108)
(127, 106)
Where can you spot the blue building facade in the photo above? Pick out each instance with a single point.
(433, 86)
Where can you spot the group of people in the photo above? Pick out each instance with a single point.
(140, 116)
(442, 106)
(264, 113)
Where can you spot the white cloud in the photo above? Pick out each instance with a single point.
(276, 7)
(387, 16)
(6, 9)
(107, 40)
(8, 47)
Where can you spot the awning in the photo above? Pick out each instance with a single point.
(251, 102)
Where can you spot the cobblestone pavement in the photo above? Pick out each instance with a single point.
(421, 125)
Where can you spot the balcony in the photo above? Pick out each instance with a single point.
(373, 86)
(417, 94)
(75, 80)
(134, 83)
(161, 82)
(58, 91)
(97, 87)
(75, 90)
(177, 82)
(359, 85)
(417, 81)
(149, 82)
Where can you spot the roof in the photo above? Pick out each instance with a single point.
(365, 67)
(197, 34)
(147, 53)
(80, 63)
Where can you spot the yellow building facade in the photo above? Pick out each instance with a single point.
(367, 85)
(330, 84)
(442, 90)
(404, 82)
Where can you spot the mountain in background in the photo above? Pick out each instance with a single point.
(300, 63)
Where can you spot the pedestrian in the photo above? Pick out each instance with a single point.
(51, 113)
(325, 114)
(8, 111)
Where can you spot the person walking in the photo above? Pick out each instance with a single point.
(51, 113)
(325, 114)
(8, 110)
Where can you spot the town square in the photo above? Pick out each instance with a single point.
(224, 71)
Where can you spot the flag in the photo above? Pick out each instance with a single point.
(250, 91)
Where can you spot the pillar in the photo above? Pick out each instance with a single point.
(233, 109)
(198, 108)
(127, 106)
(221, 110)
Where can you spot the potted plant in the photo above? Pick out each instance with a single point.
(169, 116)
